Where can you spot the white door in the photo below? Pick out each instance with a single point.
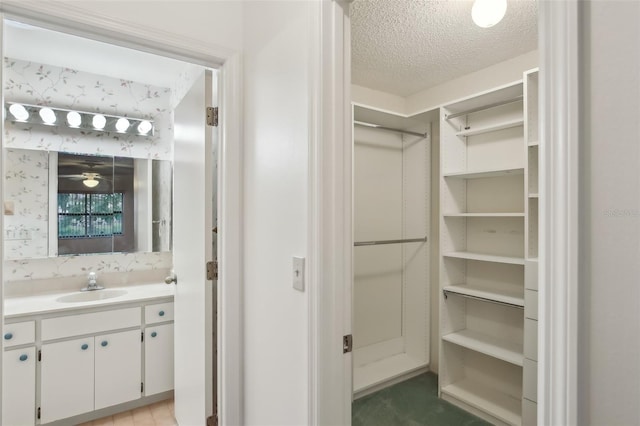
(158, 359)
(194, 186)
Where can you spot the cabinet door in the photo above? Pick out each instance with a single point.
(118, 368)
(19, 387)
(66, 379)
(158, 359)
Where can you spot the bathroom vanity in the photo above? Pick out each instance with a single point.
(83, 353)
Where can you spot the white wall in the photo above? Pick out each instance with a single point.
(609, 345)
(277, 102)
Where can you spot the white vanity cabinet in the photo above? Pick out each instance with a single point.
(90, 373)
(90, 359)
(158, 359)
(19, 387)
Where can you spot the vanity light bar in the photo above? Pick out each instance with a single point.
(48, 116)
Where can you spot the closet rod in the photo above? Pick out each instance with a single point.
(377, 243)
(482, 299)
(482, 108)
(391, 129)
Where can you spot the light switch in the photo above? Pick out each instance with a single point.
(298, 273)
(9, 208)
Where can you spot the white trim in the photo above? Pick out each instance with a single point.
(559, 138)
(97, 27)
(330, 240)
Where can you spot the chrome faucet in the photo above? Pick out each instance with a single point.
(92, 283)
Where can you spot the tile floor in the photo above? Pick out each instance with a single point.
(158, 414)
(414, 402)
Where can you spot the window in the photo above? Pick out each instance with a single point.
(91, 215)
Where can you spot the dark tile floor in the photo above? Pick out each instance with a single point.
(414, 402)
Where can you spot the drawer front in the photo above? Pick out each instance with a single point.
(531, 304)
(530, 380)
(159, 312)
(96, 322)
(20, 333)
(531, 339)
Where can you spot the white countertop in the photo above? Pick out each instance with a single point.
(46, 303)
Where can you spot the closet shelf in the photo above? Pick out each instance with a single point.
(492, 128)
(500, 349)
(500, 405)
(533, 195)
(483, 214)
(485, 257)
(533, 143)
(479, 174)
(514, 298)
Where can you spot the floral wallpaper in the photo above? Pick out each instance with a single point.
(40, 84)
(74, 266)
(27, 189)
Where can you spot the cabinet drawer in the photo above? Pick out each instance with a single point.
(20, 333)
(530, 380)
(531, 339)
(531, 304)
(96, 322)
(159, 312)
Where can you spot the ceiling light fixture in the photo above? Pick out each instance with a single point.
(51, 116)
(91, 180)
(47, 115)
(487, 13)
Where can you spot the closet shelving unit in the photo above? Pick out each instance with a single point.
(487, 202)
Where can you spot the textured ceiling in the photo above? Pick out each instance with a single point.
(405, 46)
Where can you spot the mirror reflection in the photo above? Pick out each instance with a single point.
(60, 204)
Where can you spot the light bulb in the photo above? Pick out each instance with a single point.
(19, 112)
(47, 115)
(91, 183)
(74, 119)
(487, 13)
(99, 121)
(122, 125)
(144, 127)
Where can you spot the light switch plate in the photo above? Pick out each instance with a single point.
(298, 273)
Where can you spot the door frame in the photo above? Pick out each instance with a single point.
(228, 62)
(330, 314)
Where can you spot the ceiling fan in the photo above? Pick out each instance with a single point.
(89, 179)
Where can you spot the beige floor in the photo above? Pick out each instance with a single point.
(158, 414)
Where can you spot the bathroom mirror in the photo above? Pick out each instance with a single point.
(59, 204)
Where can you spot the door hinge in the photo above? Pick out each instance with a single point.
(212, 421)
(39, 355)
(142, 336)
(212, 270)
(212, 116)
(347, 343)
(141, 387)
(39, 413)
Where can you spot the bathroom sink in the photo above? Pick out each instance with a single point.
(90, 296)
